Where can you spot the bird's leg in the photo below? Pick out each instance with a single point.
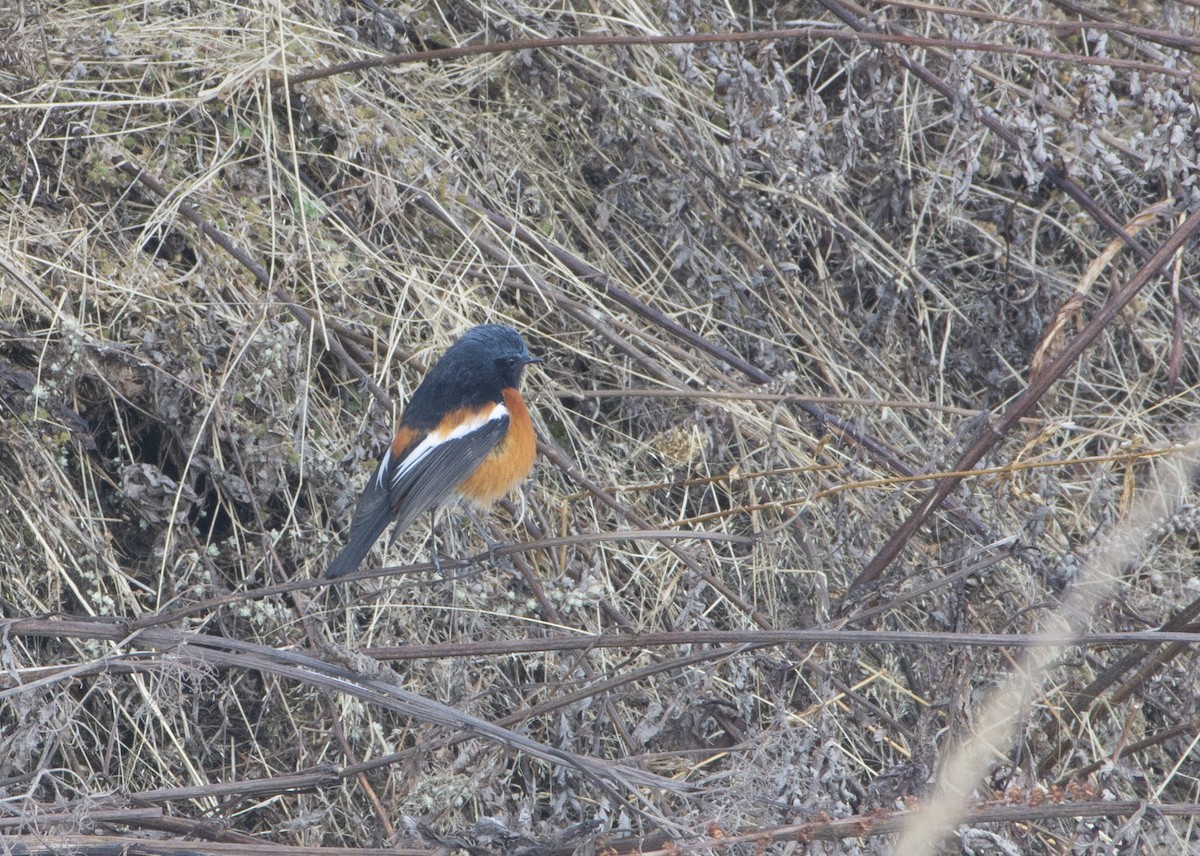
(433, 554)
(492, 544)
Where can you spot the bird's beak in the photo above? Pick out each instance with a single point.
(529, 360)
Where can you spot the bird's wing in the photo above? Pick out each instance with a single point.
(417, 476)
(439, 464)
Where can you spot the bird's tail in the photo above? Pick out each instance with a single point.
(347, 561)
(371, 517)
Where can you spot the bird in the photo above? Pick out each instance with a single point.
(466, 434)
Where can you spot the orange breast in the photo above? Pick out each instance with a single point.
(507, 464)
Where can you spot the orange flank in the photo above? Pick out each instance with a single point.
(457, 418)
(508, 463)
(404, 438)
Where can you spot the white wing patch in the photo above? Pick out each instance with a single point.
(437, 438)
(384, 463)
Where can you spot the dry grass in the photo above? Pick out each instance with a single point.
(182, 437)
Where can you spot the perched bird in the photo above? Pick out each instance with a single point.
(465, 434)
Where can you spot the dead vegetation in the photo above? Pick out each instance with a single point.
(778, 281)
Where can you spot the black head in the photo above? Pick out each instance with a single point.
(472, 372)
(501, 347)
